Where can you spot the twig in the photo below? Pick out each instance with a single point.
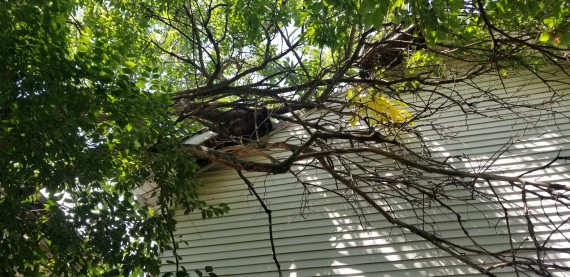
(171, 233)
(531, 232)
(269, 219)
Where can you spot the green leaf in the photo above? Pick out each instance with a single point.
(82, 48)
(366, 7)
(130, 64)
(369, 20)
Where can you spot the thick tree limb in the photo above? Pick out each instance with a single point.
(305, 151)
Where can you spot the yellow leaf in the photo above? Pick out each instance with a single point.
(544, 36)
(401, 103)
(399, 3)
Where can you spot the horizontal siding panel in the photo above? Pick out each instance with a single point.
(320, 256)
(281, 188)
(343, 237)
(319, 201)
(332, 224)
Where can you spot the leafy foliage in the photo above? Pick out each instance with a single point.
(97, 96)
(77, 126)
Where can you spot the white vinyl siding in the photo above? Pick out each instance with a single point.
(316, 234)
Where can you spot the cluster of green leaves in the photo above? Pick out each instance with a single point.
(547, 20)
(82, 122)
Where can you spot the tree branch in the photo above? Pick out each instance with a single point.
(251, 188)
